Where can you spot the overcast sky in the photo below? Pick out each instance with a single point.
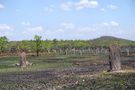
(67, 19)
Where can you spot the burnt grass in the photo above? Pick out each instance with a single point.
(83, 75)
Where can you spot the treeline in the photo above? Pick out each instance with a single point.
(38, 46)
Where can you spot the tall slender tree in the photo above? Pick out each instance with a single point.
(3, 43)
(38, 43)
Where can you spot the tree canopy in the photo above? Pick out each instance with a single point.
(3, 43)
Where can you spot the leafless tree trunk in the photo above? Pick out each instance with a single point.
(48, 51)
(74, 50)
(80, 51)
(127, 51)
(66, 51)
(22, 59)
(114, 58)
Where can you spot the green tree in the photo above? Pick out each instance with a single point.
(38, 43)
(3, 43)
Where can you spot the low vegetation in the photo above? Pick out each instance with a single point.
(61, 72)
(67, 64)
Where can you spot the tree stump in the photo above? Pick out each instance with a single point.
(22, 59)
(114, 58)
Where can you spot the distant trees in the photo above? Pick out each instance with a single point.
(48, 45)
(3, 43)
(65, 47)
(38, 43)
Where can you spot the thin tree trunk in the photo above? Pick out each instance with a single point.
(37, 52)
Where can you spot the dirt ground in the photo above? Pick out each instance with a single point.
(55, 79)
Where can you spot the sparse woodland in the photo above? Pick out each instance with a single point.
(48, 47)
(68, 64)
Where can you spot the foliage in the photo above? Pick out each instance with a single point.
(3, 43)
(38, 43)
(55, 72)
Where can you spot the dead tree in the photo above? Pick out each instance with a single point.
(66, 52)
(22, 59)
(127, 51)
(114, 58)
